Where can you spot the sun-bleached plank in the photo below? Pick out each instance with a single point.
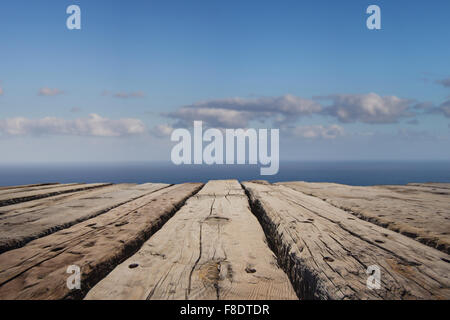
(327, 251)
(18, 229)
(213, 248)
(419, 211)
(38, 270)
(12, 196)
(27, 186)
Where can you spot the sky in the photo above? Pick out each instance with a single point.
(115, 89)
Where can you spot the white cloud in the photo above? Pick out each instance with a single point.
(284, 111)
(49, 92)
(222, 118)
(237, 112)
(287, 104)
(368, 108)
(95, 125)
(316, 131)
(162, 130)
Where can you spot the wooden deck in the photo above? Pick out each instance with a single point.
(225, 240)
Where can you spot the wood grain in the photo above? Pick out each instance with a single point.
(326, 251)
(32, 187)
(38, 270)
(23, 208)
(17, 229)
(419, 211)
(213, 248)
(8, 197)
(27, 186)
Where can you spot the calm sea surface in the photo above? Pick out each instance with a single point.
(346, 172)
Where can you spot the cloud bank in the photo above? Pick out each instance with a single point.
(368, 108)
(283, 111)
(94, 125)
(238, 112)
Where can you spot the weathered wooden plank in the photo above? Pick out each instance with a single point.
(431, 185)
(18, 229)
(418, 211)
(28, 194)
(38, 270)
(23, 208)
(326, 251)
(27, 186)
(213, 248)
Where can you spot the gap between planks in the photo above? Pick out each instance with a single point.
(212, 248)
(38, 270)
(17, 229)
(326, 251)
(38, 194)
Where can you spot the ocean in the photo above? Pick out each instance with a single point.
(347, 172)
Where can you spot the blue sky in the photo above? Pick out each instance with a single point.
(139, 65)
